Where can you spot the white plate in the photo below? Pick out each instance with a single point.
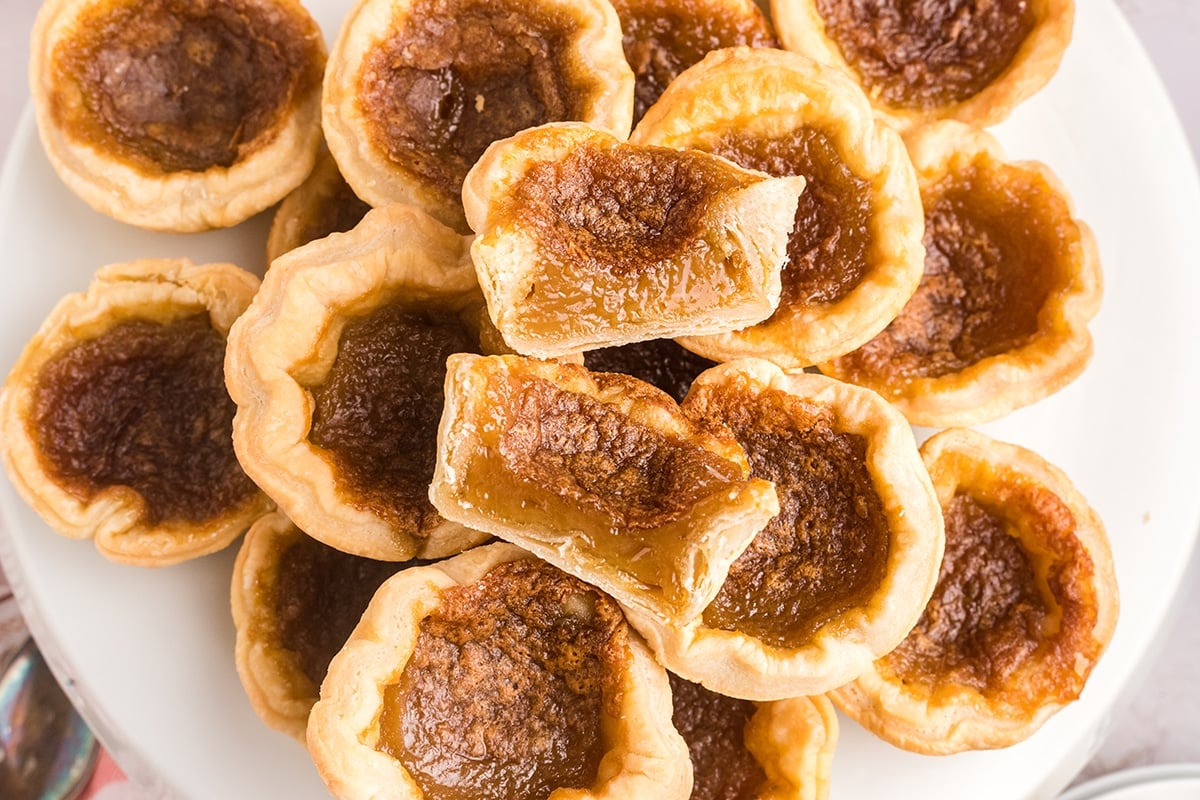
(1159, 782)
(148, 654)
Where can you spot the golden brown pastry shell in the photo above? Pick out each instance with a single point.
(288, 341)
(158, 290)
(771, 93)
(596, 49)
(802, 29)
(794, 740)
(1062, 347)
(645, 757)
(953, 717)
(269, 167)
(740, 665)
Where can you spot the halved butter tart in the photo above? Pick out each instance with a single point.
(1011, 281)
(1025, 605)
(323, 204)
(115, 420)
(585, 241)
(490, 676)
(781, 750)
(417, 89)
(921, 62)
(178, 115)
(337, 371)
(295, 602)
(599, 474)
(841, 574)
(854, 253)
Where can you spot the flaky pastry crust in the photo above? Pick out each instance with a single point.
(643, 754)
(739, 664)
(599, 474)
(1068, 551)
(287, 344)
(116, 516)
(666, 242)
(1066, 257)
(125, 181)
(767, 95)
(794, 741)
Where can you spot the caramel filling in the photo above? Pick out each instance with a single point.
(460, 74)
(333, 208)
(714, 728)
(144, 405)
(996, 249)
(378, 410)
(183, 85)
(505, 692)
(613, 224)
(318, 596)
(830, 241)
(659, 362)
(826, 551)
(924, 55)
(662, 38)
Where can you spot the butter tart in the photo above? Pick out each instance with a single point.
(494, 675)
(782, 750)
(585, 241)
(662, 38)
(662, 363)
(323, 204)
(1011, 281)
(337, 371)
(178, 115)
(1025, 605)
(295, 602)
(416, 90)
(599, 474)
(924, 62)
(841, 574)
(115, 420)
(854, 255)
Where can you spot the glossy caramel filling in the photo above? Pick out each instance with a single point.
(460, 74)
(506, 690)
(659, 362)
(144, 405)
(318, 596)
(826, 551)
(662, 38)
(714, 728)
(613, 223)
(987, 615)
(377, 412)
(831, 238)
(996, 247)
(923, 55)
(183, 85)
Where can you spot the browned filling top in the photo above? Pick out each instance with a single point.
(659, 362)
(662, 38)
(996, 247)
(922, 55)
(183, 85)
(460, 74)
(714, 728)
(827, 251)
(377, 411)
(318, 597)
(504, 694)
(986, 616)
(827, 549)
(144, 405)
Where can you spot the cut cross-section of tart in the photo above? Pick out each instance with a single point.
(585, 241)
(599, 474)
(116, 422)
(490, 676)
(1025, 605)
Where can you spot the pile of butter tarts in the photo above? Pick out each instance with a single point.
(577, 461)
